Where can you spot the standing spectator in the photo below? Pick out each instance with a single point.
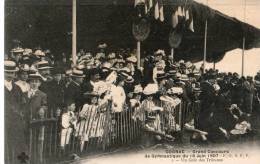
(14, 121)
(73, 91)
(23, 77)
(36, 100)
(248, 95)
(68, 123)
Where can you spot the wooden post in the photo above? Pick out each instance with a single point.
(243, 56)
(205, 45)
(138, 54)
(74, 32)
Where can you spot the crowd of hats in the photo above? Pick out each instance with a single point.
(35, 60)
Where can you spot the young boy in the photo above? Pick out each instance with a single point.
(68, 123)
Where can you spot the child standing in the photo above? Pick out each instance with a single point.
(68, 123)
(91, 120)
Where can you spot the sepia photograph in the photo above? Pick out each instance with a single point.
(131, 81)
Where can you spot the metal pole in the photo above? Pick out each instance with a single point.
(172, 54)
(205, 45)
(244, 40)
(138, 54)
(74, 31)
(243, 56)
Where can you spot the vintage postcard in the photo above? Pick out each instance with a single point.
(131, 81)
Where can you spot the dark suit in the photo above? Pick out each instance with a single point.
(38, 100)
(15, 141)
(55, 95)
(73, 93)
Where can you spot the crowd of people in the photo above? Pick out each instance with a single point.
(37, 86)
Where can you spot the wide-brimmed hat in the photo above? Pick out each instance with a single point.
(24, 68)
(161, 75)
(172, 72)
(35, 76)
(68, 72)
(106, 66)
(188, 64)
(159, 52)
(257, 83)
(86, 57)
(175, 90)
(77, 73)
(10, 66)
(27, 51)
(119, 61)
(17, 50)
(138, 89)
(184, 77)
(131, 59)
(91, 94)
(111, 55)
(150, 89)
(43, 65)
(181, 62)
(129, 79)
(39, 53)
(102, 46)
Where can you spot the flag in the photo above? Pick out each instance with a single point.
(139, 2)
(161, 14)
(191, 26)
(179, 11)
(149, 4)
(175, 19)
(183, 12)
(156, 10)
(187, 16)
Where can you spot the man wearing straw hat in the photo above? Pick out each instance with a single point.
(73, 91)
(14, 120)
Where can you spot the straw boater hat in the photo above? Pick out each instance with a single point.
(39, 53)
(112, 55)
(171, 72)
(175, 91)
(131, 59)
(36, 75)
(138, 89)
(17, 50)
(159, 52)
(68, 72)
(188, 64)
(129, 79)
(41, 65)
(184, 77)
(106, 66)
(102, 46)
(150, 89)
(257, 83)
(77, 73)
(91, 94)
(27, 51)
(10, 66)
(161, 75)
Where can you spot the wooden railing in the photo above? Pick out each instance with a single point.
(117, 130)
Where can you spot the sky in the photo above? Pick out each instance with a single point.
(233, 60)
